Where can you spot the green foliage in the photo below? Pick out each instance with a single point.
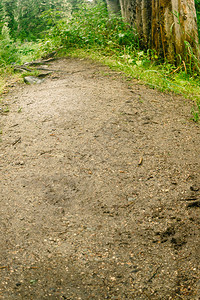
(23, 17)
(1, 15)
(197, 4)
(75, 4)
(10, 7)
(31, 18)
(192, 65)
(15, 52)
(196, 112)
(8, 53)
(91, 26)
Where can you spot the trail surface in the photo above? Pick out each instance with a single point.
(100, 190)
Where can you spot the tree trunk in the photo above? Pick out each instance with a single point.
(138, 14)
(174, 23)
(162, 28)
(163, 25)
(128, 11)
(113, 6)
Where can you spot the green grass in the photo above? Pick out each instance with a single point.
(25, 52)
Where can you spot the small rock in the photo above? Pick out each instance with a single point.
(32, 80)
(194, 188)
(18, 283)
(131, 199)
(19, 163)
(174, 182)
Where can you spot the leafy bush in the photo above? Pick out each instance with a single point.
(8, 53)
(91, 26)
(15, 52)
(24, 17)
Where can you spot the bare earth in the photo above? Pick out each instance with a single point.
(100, 189)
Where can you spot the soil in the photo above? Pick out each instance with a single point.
(100, 189)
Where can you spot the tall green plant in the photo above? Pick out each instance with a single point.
(1, 15)
(8, 51)
(23, 17)
(196, 112)
(10, 8)
(31, 24)
(91, 26)
(197, 4)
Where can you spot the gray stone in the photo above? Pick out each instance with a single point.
(32, 80)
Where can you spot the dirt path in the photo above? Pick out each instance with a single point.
(100, 183)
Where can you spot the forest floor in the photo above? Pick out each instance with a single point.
(100, 189)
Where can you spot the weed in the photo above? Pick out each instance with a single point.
(30, 73)
(192, 60)
(196, 112)
(8, 53)
(6, 110)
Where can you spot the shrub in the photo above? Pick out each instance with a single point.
(91, 26)
(8, 53)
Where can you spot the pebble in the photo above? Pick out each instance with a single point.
(19, 163)
(194, 188)
(18, 283)
(32, 80)
(130, 199)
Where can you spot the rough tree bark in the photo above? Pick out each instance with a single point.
(138, 14)
(173, 23)
(163, 25)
